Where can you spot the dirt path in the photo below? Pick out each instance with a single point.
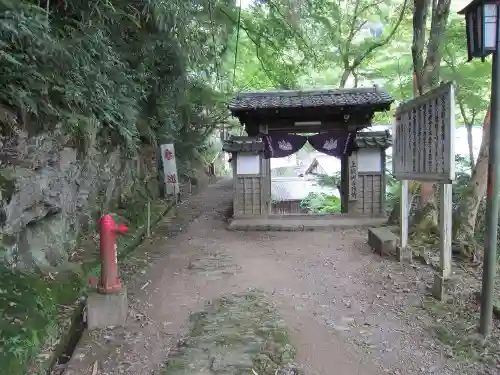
(346, 308)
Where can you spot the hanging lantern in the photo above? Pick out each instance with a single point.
(481, 24)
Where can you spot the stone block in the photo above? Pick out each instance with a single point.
(106, 310)
(382, 240)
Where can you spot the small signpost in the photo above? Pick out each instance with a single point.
(170, 170)
(424, 150)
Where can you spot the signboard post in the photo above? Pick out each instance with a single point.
(424, 150)
(170, 170)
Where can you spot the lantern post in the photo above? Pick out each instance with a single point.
(482, 28)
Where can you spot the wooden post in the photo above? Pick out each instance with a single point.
(352, 183)
(148, 228)
(445, 222)
(344, 184)
(266, 205)
(404, 218)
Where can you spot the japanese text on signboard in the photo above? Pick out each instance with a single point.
(424, 133)
(170, 169)
(353, 177)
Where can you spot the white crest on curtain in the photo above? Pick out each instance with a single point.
(285, 145)
(331, 144)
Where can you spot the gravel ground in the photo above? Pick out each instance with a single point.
(349, 311)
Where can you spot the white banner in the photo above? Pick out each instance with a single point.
(170, 169)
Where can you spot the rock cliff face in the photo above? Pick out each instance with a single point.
(49, 194)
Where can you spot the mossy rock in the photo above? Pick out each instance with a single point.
(235, 334)
(7, 184)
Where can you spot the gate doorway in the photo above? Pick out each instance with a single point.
(347, 165)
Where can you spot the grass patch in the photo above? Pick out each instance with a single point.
(456, 328)
(239, 334)
(28, 314)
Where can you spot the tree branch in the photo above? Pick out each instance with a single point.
(292, 29)
(356, 78)
(401, 91)
(441, 11)
(382, 43)
(350, 36)
(366, 7)
(319, 15)
(257, 45)
(453, 68)
(420, 8)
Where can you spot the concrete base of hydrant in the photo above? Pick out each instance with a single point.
(106, 310)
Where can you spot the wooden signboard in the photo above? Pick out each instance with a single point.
(424, 150)
(352, 171)
(170, 169)
(424, 137)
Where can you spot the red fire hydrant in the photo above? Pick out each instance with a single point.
(109, 282)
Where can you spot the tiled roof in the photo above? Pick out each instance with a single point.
(296, 188)
(329, 164)
(369, 96)
(289, 161)
(373, 139)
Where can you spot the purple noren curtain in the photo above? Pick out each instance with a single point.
(282, 145)
(333, 144)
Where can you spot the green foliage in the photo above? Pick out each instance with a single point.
(321, 203)
(392, 193)
(115, 73)
(284, 172)
(473, 79)
(318, 43)
(104, 75)
(354, 31)
(330, 181)
(28, 311)
(462, 174)
(392, 67)
(272, 52)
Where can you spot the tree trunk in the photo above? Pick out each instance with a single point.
(471, 146)
(426, 76)
(344, 78)
(395, 213)
(426, 219)
(466, 213)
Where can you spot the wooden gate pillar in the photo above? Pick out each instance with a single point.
(247, 165)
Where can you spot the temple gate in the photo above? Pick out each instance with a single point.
(330, 121)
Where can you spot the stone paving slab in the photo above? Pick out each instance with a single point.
(304, 223)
